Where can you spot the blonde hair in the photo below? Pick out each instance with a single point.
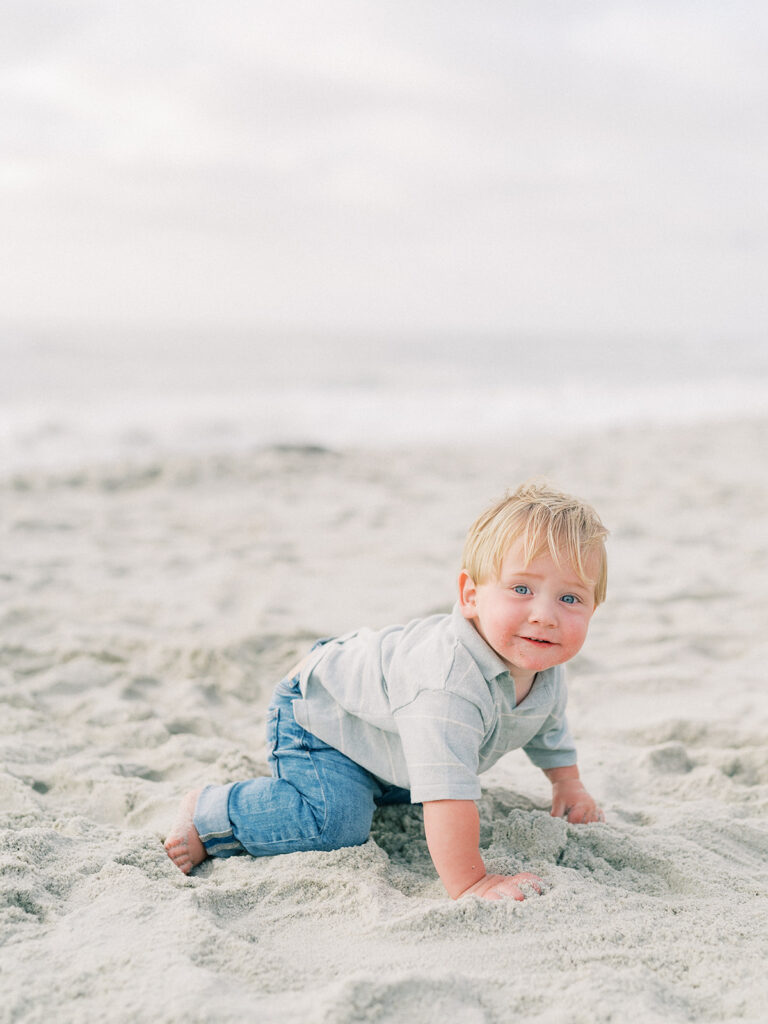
(544, 519)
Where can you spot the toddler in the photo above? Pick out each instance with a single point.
(413, 713)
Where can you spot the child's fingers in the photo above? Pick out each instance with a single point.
(502, 890)
(492, 894)
(497, 887)
(594, 814)
(526, 877)
(582, 815)
(511, 886)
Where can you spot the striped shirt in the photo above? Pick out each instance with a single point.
(429, 705)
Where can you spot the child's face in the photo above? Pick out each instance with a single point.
(534, 616)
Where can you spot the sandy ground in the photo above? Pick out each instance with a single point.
(148, 610)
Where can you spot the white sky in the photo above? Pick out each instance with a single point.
(399, 166)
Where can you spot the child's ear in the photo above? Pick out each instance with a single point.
(467, 595)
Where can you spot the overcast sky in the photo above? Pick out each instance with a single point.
(563, 167)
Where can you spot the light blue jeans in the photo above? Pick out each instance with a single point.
(316, 799)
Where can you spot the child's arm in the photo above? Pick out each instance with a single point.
(570, 797)
(452, 829)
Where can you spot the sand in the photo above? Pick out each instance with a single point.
(149, 608)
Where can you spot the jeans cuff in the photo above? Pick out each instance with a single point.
(212, 822)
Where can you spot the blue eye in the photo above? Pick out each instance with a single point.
(521, 589)
(569, 599)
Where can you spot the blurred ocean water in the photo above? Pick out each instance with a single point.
(71, 401)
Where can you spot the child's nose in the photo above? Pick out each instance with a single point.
(543, 612)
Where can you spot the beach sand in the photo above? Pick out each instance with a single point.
(147, 611)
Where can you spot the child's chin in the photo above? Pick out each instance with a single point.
(538, 661)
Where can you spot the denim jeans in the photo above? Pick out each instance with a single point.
(316, 799)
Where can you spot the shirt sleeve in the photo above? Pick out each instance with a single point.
(441, 735)
(552, 746)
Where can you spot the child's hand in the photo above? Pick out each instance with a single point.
(496, 887)
(570, 798)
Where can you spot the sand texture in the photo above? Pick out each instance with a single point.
(148, 610)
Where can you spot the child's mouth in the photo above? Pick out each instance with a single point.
(535, 640)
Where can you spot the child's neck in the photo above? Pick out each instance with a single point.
(523, 684)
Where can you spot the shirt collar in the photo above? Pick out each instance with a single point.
(487, 660)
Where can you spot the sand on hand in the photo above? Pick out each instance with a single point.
(148, 609)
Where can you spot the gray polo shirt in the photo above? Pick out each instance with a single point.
(428, 705)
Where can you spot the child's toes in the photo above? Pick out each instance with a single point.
(183, 844)
(177, 851)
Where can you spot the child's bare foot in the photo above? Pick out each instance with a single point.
(183, 844)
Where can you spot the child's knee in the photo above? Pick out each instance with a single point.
(351, 835)
(348, 823)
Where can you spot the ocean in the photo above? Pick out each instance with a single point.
(69, 400)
